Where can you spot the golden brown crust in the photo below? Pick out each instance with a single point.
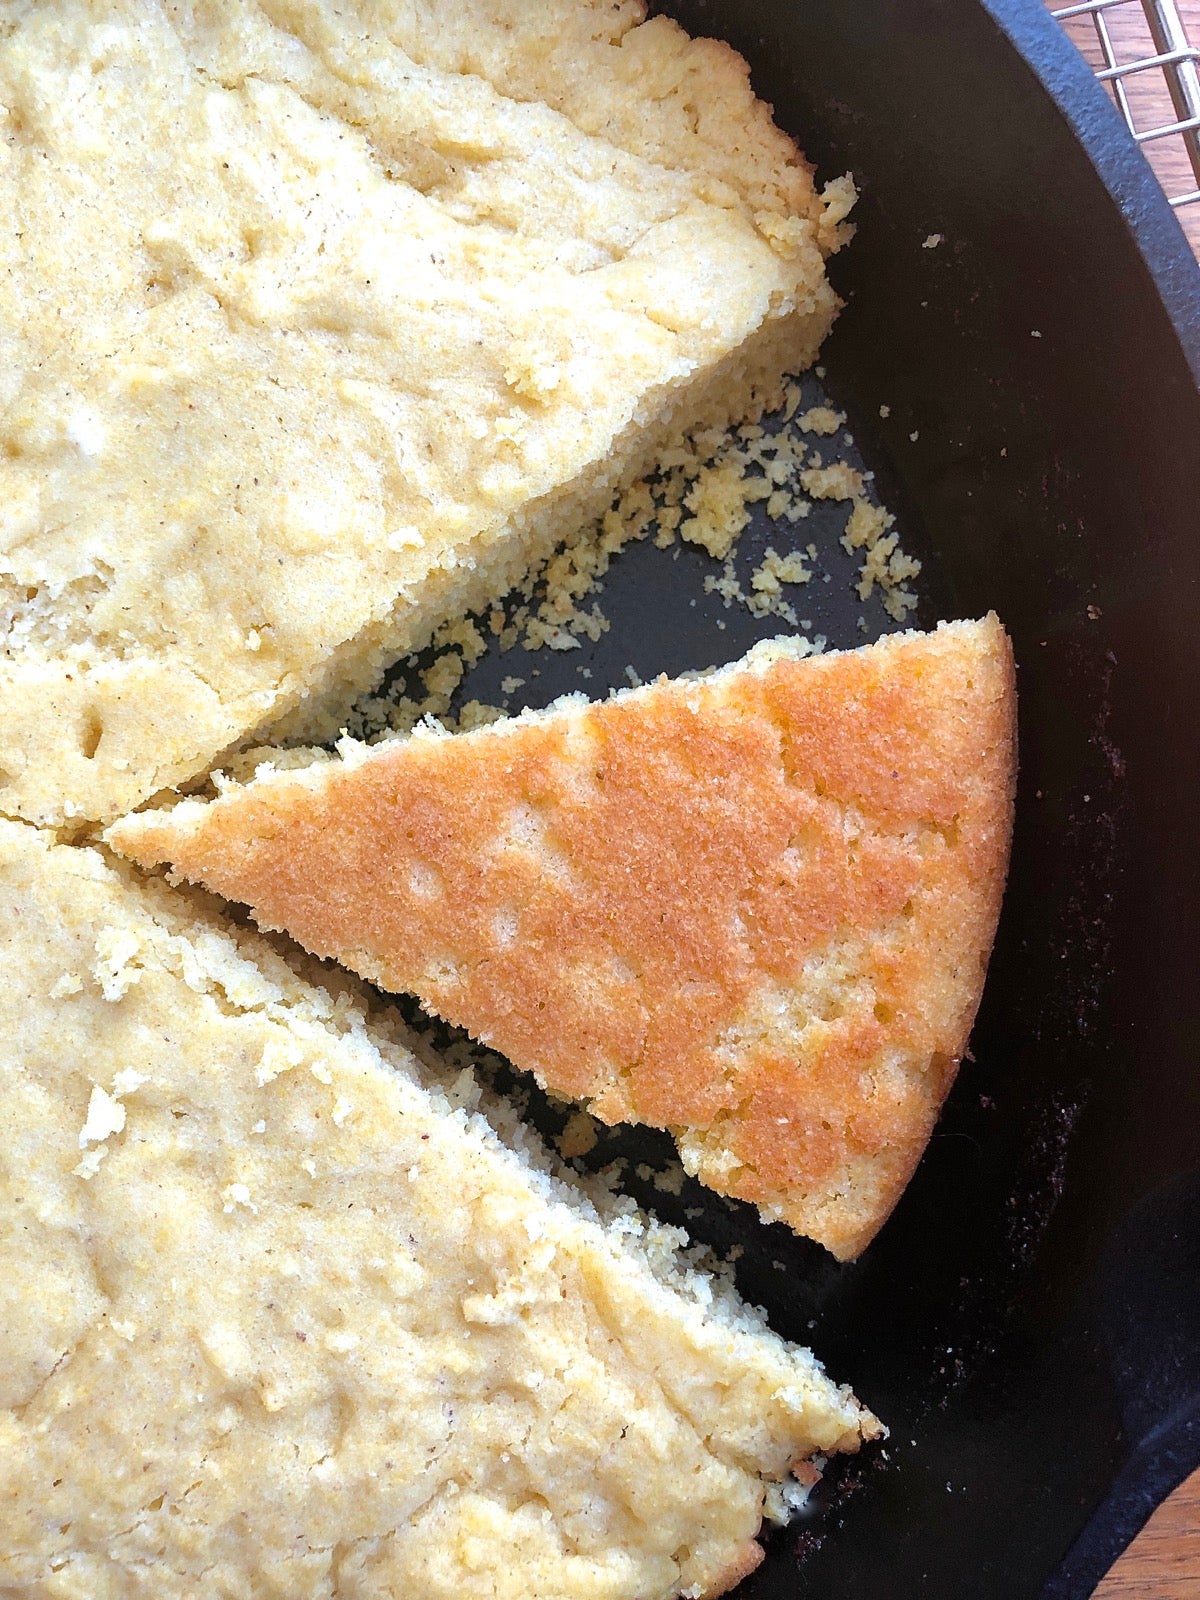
(756, 910)
(748, 1558)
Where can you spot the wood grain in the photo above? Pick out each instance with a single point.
(1148, 94)
(1163, 1562)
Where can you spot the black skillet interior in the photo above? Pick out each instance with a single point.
(1028, 1322)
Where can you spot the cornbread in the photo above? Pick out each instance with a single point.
(755, 909)
(282, 1313)
(323, 321)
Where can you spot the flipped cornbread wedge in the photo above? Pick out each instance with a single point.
(281, 1313)
(755, 909)
(323, 321)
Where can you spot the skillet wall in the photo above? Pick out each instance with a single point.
(1027, 1322)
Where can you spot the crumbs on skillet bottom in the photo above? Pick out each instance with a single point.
(702, 493)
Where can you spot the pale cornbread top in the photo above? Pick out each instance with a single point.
(309, 307)
(280, 1314)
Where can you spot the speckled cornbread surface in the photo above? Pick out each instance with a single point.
(325, 320)
(755, 909)
(281, 1316)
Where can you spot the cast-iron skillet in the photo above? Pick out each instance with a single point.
(1028, 1322)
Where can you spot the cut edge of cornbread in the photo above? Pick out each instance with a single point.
(748, 382)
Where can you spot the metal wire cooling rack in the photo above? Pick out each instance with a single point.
(1172, 60)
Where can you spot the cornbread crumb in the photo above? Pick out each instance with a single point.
(717, 506)
(885, 563)
(578, 1137)
(822, 420)
(777, 570)
(667, 1180)
(105, 1116)
(89, 1164)
(237, 1194)
(766, 597)
(835, 482)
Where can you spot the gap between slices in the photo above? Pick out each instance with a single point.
(755, 909)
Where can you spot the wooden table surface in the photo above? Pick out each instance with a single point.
(1163, 1563)
(1147, 92)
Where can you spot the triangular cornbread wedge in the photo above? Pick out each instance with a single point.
(320, 322)
(281, 1313)
(754, 909)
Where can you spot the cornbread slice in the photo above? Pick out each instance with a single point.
(280, 1313)
(755, 909)
(322, 321)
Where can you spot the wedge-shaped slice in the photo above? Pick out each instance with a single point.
(755, 909)
(320, 322)
(280, 1316)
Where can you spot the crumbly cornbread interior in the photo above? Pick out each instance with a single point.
(283, 1313)
(326, 321)
(755, 909)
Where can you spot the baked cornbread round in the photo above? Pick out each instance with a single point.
(754, 909)
(281, 1313)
